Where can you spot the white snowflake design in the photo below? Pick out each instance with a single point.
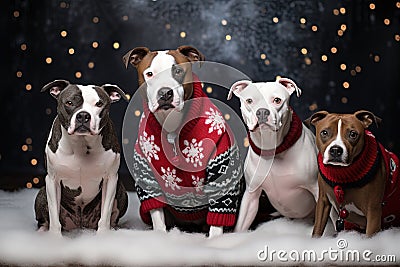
(149, 148)
(170, 178)
(198, 183)
(216, 121)
(193, 152)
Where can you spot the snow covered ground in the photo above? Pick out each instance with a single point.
(279, 242)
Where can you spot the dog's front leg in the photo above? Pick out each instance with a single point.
(215, 231)
(53, 193)
(248, 210)
(373, 220)
(158, 219)
(322, 212)
(107, 201)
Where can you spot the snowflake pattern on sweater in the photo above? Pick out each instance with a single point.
(206, 181)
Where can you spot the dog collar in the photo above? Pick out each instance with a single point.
(296, 128)
(360, 172)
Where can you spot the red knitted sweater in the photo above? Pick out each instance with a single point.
(363, 169)
(205, 181)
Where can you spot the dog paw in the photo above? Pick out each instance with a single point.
(215, 231)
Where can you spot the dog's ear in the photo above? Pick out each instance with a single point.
(192, 53)
(134, 56)
(238, 87)
(115, 93)
(55, 87)
(316, 117)
(367, 118)
(290, 86)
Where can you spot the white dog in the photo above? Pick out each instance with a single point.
(282, 158)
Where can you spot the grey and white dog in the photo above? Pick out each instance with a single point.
(83, 156)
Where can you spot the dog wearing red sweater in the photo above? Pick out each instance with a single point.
(357, 175)
(186, 163)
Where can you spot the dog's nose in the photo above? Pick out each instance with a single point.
(165, 94)
(83, 117)
(336, 151)
(262, 115)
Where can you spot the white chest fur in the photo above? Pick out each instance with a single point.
(82, 161)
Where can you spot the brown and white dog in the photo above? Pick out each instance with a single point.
(357, 175)
(186, 166)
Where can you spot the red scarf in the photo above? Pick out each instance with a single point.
(296, 128)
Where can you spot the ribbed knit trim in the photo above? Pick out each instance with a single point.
(357, 174)
(221, 219)
(296, 128)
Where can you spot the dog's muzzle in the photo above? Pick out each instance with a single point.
(262, 115)
(82, 122)
(165, 97)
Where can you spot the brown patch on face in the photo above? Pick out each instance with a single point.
(187, 68)
(144, 64)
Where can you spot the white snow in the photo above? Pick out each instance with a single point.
(135, 245)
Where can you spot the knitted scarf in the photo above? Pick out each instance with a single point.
(296, 128)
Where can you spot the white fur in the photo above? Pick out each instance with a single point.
(290, 178)
(337, 142)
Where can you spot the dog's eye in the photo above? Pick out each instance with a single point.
(324, 133)
(149, 74)
(353, 134)
(69, 103)
(99, 104)
(178, 71)
(249, 101)
(277, 100)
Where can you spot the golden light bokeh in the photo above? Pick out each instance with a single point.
(78, 74)
(224, 22)
(335, 12)
(91, 65)
(182, 34)
(16, 14)
(64, 33)
(168, 26)
(35, 180)
(372, 6)
(343, 66)
(28, 141)
(28, 87)
(23, 47)
(137, 113)
(19, 74)
(275, 19)
(344, 100)
(304, 51)
(34, 162)
(227, 116)
(24, 148)
(49, 60)
(342, 10)
(324, 57)
(116, 45)
(228, 37)
(314, 28)
(246, 142)
(346, 85)
(209, 89)
(71, 51)
(29, 185)
(95, 19)
(333, 50)
(303, 20)
(95, 44)
(386, 21)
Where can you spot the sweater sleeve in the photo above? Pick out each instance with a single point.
(224, 173)
(148, 190)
